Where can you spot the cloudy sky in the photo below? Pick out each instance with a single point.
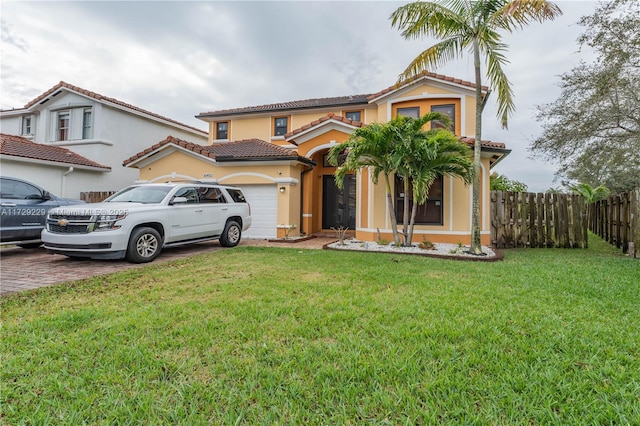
(182, 58)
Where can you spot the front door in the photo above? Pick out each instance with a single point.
(339, 205)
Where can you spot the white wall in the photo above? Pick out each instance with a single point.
(51, 177)
(10, 124)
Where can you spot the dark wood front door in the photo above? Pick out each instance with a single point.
(339, 205)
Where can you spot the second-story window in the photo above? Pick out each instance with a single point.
(280, 126)
(222, 130)
(27, 128)
(449, 110)
(413, 112)
(62, 127)
(86, 123)
(353, 115)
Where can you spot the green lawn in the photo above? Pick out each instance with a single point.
(284, 336)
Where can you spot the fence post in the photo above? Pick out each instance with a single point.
(634, 207)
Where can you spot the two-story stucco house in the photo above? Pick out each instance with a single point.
(277, 154)
(99, 128)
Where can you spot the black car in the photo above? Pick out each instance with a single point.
(23, 211)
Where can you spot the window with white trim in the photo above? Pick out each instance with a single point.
(86, 124)
(27, 128)
(62, 126)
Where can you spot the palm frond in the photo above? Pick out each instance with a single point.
(518, 13)
(434, 57)
(495, 59)
(429, 18)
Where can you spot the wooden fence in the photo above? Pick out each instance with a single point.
(616, 220)
(95, 196)
(526, 219)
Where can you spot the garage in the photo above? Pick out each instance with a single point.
(264, 210)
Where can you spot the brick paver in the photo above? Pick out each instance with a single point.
(26, 269)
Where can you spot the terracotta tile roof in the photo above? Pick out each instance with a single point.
(247, 149)
(484, 144)
(291, 105)
(17, 146)
(106, 99)
(421, 75)
(330, 116)
(331, 102)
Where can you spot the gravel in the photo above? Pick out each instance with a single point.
(439, 249)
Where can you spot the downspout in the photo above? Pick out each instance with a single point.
(304, 172)
(64, 177)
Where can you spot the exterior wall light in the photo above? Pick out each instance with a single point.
(282, 189)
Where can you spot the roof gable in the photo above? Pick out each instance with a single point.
(242, 150)
(17, 146)
(426, 76)
(55, 90)
(321, 125)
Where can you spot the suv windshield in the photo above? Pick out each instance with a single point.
(140, 194)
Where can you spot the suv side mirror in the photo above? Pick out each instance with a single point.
(178, 200)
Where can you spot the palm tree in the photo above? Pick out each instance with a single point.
(422, 156)
(591, 194)
(368, 147)
(471, 25)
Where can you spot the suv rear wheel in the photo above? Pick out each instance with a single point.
(231, 235)
(144, 245)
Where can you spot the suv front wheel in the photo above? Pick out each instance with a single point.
(231, 235)
(144, 245)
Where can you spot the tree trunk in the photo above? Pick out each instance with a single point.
(414, 210)
(392, 212)
(476, 245)
(405, 215)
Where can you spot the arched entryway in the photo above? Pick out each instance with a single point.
(325, 206)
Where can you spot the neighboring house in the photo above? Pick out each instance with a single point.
(94, 126)
(277, 154)
(52, 167)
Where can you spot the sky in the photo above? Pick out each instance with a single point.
(179, 59)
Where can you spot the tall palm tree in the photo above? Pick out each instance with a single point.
(471, 25)
(368, 147)
(422, 156)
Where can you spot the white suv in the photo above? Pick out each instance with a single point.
(138, 221)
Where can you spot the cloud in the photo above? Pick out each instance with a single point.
(182, 58)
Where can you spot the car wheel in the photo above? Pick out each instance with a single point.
(231, 235)
(30, 245)
(144, 245)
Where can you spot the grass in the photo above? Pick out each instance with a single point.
(283, 336)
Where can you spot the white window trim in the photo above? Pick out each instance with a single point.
(57, 127)
(90, 124)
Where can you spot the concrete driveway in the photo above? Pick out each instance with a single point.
(26, 269)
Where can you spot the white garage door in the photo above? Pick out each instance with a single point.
(264, 210)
